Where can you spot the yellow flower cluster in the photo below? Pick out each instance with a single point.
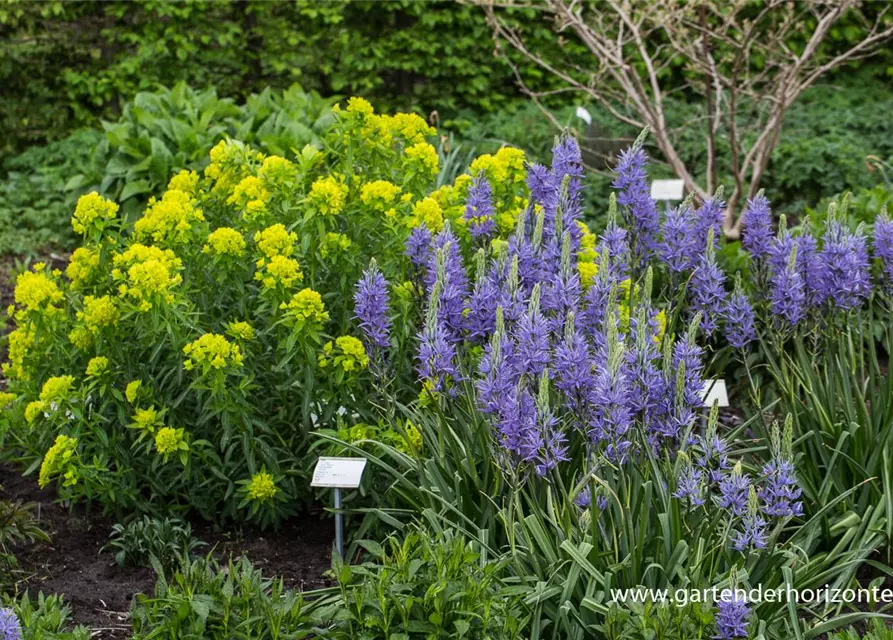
(427, 211)
(379, 194)
(262, 487)
(147, 419)
(334, 243)
(57, 460)
(225, 241)
(19, 344)
(82, 265)
(276, 241)
(506, 166)
(6, 399)
(587, 258)
(345, 352)
(185, 181)
(327, 196)
(132, 391)
(35, 291)
(425, 156)
(229, 159)
(97, 366)
(279, 272)
(34, 410)
(92, 212)
(305, 310)
(212, 351)
(99, 313)
(251, 195)
(169, 440)
(411, 127)
(277, 172)
(241, 330)
(151, 274)
(56, 389)
(169, 220)
(359, 105)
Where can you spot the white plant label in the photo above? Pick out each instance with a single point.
(667, 190)
(338, 473)
(584, 115)
(715, 391)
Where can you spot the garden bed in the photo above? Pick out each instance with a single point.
(99, 592)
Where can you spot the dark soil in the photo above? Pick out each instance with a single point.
(99, 592)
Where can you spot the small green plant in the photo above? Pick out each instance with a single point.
(647, 621)
(426, 585)
(204, 600)
(45, 618)
(166, 540)
(17, 526)
(877, 630)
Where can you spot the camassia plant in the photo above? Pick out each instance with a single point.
(822, 323)
(560, 423)
(179, 363)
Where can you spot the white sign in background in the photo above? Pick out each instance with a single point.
(338, 473)
(715, 391)
(667, 190)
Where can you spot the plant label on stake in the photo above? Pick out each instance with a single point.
(715, 391)
(667, 190)
(338, 474)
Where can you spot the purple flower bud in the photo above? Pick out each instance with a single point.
(10, 628)
(731, 619)
(418, 246)
(740, 321)
(757, 227)
(634, 198)
(733, 493)
(846, 279)
(371, 308)
(479, 208)
(883, 247)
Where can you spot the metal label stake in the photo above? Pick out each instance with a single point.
(338, 474)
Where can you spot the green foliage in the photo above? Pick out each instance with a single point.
(647, 621)
(66, 65)
(35, 205)
(877, 630)
(17, 526)
(426, 584)
(159, 133)
(206, 601)
(46, 618)
(164, 540)
(167, 130)
(831, 380)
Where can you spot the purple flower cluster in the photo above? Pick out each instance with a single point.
(740, 320)
(731, 617)
(479, 208)
(634, 198)
(883, 247)
(10, 628)
(707, 290)
(371, 308)
(757, 227)
(844, 278)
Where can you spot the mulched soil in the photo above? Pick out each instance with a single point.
(99, 592)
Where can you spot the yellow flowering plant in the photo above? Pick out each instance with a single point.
(203, 342)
